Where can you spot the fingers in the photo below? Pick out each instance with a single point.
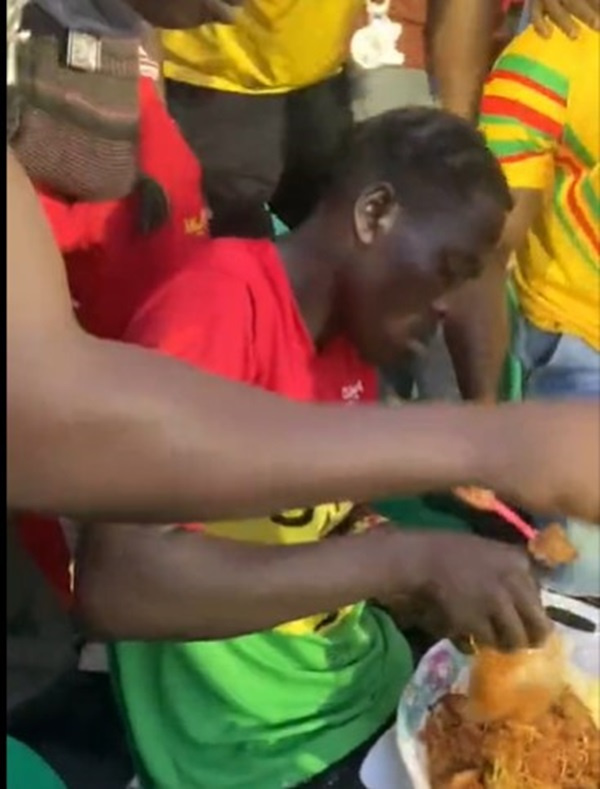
(509, 628)
(526, 605)
(587, 11)
(535, 620)
(539, 21)
(515, 616)
(483, 633)
(546, 11)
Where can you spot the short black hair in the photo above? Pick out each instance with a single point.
(434, 160)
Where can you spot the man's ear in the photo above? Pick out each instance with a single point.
(375, 212)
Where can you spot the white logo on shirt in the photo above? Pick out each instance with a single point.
(352, 392)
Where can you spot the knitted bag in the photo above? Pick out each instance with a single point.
(73, 110)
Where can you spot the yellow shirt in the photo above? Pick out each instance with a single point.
(541, 117)
(293, 527)
(274, 46)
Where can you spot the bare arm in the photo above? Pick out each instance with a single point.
(165, 583)
(159, 583)
(459, 39)
(108, 431)
(477, 327)
(105, 431)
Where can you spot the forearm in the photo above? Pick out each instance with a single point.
(149, 583)
(113, 432)
(477, 333)
(459, 41)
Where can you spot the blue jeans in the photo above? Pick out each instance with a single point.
(525, 17)
(562, 366)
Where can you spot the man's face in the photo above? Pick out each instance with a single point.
(393, 296)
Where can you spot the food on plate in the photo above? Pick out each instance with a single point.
(551, 547)
(559, 750)
(518, 686)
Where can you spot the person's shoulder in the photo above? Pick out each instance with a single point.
(215, 282)
(558, 52)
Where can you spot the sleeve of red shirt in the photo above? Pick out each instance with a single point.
(202, 316)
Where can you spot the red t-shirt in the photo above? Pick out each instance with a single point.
(110, 264)
(230, 310)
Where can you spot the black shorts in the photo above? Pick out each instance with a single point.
(262, 149)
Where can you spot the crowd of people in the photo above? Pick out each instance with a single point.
(180, 376)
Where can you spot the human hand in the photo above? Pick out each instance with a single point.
(545, 457)
(464, 587)
(563, 14)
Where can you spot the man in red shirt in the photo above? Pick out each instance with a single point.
(416, 204)
(115, 251)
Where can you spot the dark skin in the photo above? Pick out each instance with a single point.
(459, 42)
(476, 325)
(80, 411)
(476, 328)
(459, 35)
(340, 263)
(565, 14)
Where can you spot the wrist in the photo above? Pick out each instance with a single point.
(404, 568)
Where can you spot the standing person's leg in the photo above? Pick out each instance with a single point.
(238, 139)
(563, 366)
(317, 119)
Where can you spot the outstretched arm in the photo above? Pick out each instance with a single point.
(104, 431)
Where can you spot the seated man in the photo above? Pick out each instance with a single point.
(541, 116)
(290, 685)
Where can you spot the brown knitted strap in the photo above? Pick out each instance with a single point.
(104, 102)
(76, 132)
(73, 163)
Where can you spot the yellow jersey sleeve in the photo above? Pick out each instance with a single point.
(523, 111)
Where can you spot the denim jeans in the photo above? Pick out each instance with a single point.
(525, 17)
(564, 366)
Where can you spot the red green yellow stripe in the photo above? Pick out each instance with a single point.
(572, 141)
(581, 222)
(548, 78)
(495, 105)
(527, 82)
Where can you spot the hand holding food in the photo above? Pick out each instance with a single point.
(468, 586)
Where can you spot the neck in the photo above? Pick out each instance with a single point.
(312, 272)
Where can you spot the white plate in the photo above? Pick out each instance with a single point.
(445, 669)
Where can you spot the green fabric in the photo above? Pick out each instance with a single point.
(26, 770)
(511, 385)
(263, 711)
(426, 513)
